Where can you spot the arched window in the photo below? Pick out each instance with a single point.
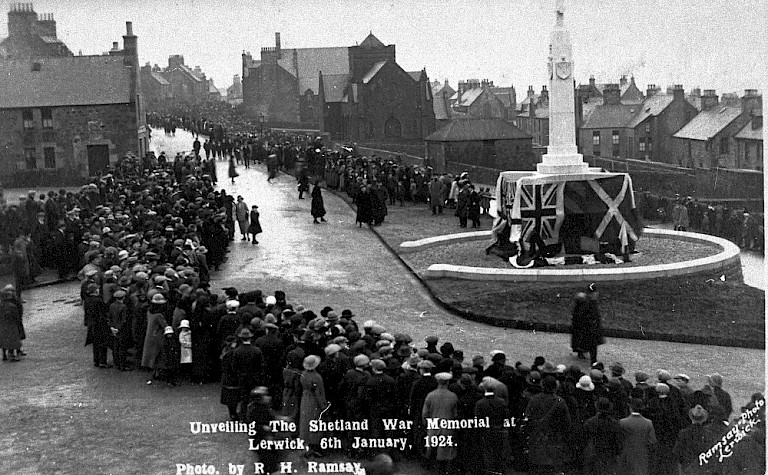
(392, 128)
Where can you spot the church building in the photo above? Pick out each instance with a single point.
(356, 93)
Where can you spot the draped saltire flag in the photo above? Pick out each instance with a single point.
(538, 210)
(607, 206)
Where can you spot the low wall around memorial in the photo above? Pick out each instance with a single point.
(727, 262)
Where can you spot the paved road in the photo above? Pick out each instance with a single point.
(58, 412)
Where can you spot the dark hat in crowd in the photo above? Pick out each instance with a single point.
(604, 405)
(498, 356)
(547, 368)
(404, 351)
(617, 369)
(324, 311)
(431, 340)
(446, 349)
(641, 376)
(347, 313)
(533, 378)
(403, 338)
(538, 361)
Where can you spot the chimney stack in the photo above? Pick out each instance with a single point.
(678, 92)
(530, 92)
(612, 95)
(651, 90)
(709, 99)
(544, 97)
(623, 80)
(751, 100)
(592, 82)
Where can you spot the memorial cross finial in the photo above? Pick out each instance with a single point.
(560, 11)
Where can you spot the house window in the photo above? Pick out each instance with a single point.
(596, 138)
(647, 127)
(26, 116)
(47, 116)
(49, 154)
(31, 158)
(641, 145)
(615, 137)
(724, 145)
(650, 143)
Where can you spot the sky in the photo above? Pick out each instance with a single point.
(712, 44)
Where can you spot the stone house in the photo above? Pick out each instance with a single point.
(709, 139)
(31, 35)
(749, 143)
(488, 143)
(71, 117)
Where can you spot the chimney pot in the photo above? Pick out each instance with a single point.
(128, 28)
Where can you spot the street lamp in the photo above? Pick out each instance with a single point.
(261, 123)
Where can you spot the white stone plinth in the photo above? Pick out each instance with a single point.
(552, 164)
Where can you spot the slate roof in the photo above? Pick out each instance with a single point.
(373, 71)
(68, 81)
(652, 106)
(708, 123)
(505, 94)
(334, 85)
(611, 116)
(440, 103)
(371, 41)
(190, 72)
(463, 130)
(159, 78)
(748, 133)
(467, 97)
(415, 75)
(311, 61)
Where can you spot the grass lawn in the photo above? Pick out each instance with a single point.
(686, 309)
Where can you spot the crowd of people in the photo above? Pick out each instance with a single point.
(145, 238)
(735, 223)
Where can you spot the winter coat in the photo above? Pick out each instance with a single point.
(639, 439)
(10, 323)
(436, 193)
(313, 403)
(318, 207)
(255, 227)
(441, 404)
(153, 339)
(586, 327)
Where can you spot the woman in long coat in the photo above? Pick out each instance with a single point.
(313, 403)
(292, 384)
(232, 172)
(586, 327)
(364, 206)
(241, 213)
(10, 324)
(318, 207)
(255, 227)
(153, 339)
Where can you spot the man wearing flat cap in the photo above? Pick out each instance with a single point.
(120, 324)
(352, 390)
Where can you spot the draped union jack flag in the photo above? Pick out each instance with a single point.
(539, 211)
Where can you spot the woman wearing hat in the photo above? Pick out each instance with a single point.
(313, 404)
(153, 338)
(318, 207)
(11, 329)
(255, 226)
(586, 326)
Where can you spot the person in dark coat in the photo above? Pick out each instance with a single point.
(378, 195)
(696, 439)
(248, 363)
(97, 321)
(639, 441)
(495, 447)
(380, 397)
(663, 415)
(586, 326)
(255, 227)
(604, 441)
(232, 171)
(231, 393)
(120, 324)
(364, 206)
(318, 208)
(168, 364)
(423, 385)
(11, 329)
(462, 204)
(303, 180)
(549, 426)
(352, 391)
(473, 207)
